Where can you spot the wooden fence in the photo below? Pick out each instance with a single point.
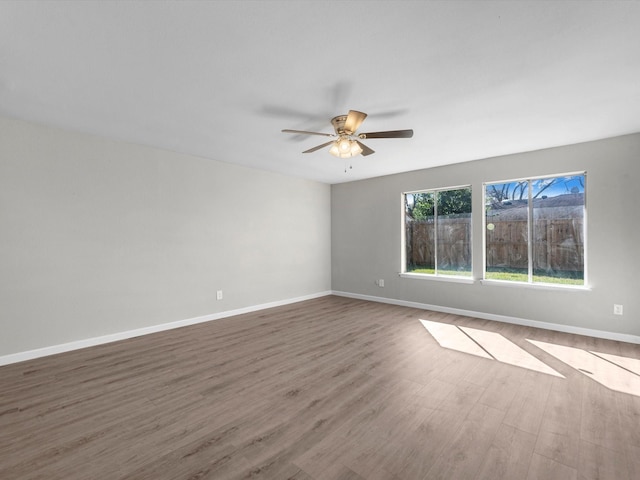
(558, 244)
(453, 239)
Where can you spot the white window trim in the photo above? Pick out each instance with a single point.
(438, 278)
(403, 256)
(530, 284)
(537, 285)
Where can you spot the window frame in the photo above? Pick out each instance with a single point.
(530, 236)
(468, 277)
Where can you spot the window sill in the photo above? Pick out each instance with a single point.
(537, 286)
(438, 278)
(498, 283)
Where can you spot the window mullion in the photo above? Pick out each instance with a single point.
(435, 231)
(529, 232)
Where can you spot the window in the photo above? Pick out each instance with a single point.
(438, 232)
(534, 230)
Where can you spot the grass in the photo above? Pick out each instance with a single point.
(518, 276)
(432, 271)
(509, 276)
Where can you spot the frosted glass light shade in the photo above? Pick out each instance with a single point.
(345, 148)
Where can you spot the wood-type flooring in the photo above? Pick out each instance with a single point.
(327, 389)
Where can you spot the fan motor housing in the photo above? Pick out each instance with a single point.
(338, 125)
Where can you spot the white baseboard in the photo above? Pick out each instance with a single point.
(90, 342)
(622, 337)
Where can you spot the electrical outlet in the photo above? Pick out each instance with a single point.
(219, 295)
(617, 309)
(381, 283)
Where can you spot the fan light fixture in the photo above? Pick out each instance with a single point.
(345, 148)
(346, 142)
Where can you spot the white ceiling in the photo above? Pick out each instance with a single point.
(221, 79)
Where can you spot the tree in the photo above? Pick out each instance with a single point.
(422, 206)
(452, 202)
(542, 185)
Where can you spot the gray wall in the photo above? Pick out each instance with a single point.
(366, 218)
(99, 237)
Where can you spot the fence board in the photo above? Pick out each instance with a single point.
(558, 244)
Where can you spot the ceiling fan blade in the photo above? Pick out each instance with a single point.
(353, 121)
(389, 134)
(286, 130)
(365, 150)
(318, 147)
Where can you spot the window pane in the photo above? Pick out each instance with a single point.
(558, 230)
(454, 232)
(507, 231)
(420, 235)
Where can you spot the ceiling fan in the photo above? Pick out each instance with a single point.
(346, 141)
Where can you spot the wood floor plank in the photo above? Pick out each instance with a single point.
(464, 454)
(326, 389)
(558, 437)
(600, 463)
(633, 461)
(527, 407)
(509, 455)
(543, 468)
(600, 422)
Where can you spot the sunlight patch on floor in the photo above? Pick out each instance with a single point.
(506, 351)
(484, 344)
(602, 370)
(613, 371)
(451, 337)
(631, 364)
